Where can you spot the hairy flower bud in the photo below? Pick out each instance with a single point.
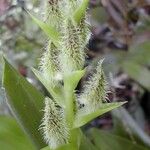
(94, 92)
(53, 13)
(72, 53)
(54, 126)
(84, 31)
(49, 63)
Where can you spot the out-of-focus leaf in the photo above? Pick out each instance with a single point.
(12, 137)
(138, 73)
(80, 12)
(25, 101)
(26, 45)
(135, 131)
(99, 14)
(51, 32)
(106, 141)
(86, 144)
(83, 119)
(140, 53)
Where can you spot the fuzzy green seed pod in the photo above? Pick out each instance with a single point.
(95, 91)
(53, 14)
(72, 53)
(74, 38)
(54, 126)
(49, 65)
(84, 31)
(83, 26)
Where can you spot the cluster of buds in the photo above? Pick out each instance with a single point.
(62, 67)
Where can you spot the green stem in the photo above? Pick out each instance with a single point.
(69, 113)
(69, 107)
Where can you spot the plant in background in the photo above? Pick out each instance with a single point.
(61, 68)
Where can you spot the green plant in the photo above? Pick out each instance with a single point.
(61, 69)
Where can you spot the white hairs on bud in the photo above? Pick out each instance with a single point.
(49, 64)
(53, 125)
(72, 53)
(95, 91)
(53, 14)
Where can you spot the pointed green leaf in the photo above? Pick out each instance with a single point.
(50, 31)
(71, 80)
(42, 79)
(82, 119)
(25, 101)
(80, 12)
(12, 137)
(56, 92)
